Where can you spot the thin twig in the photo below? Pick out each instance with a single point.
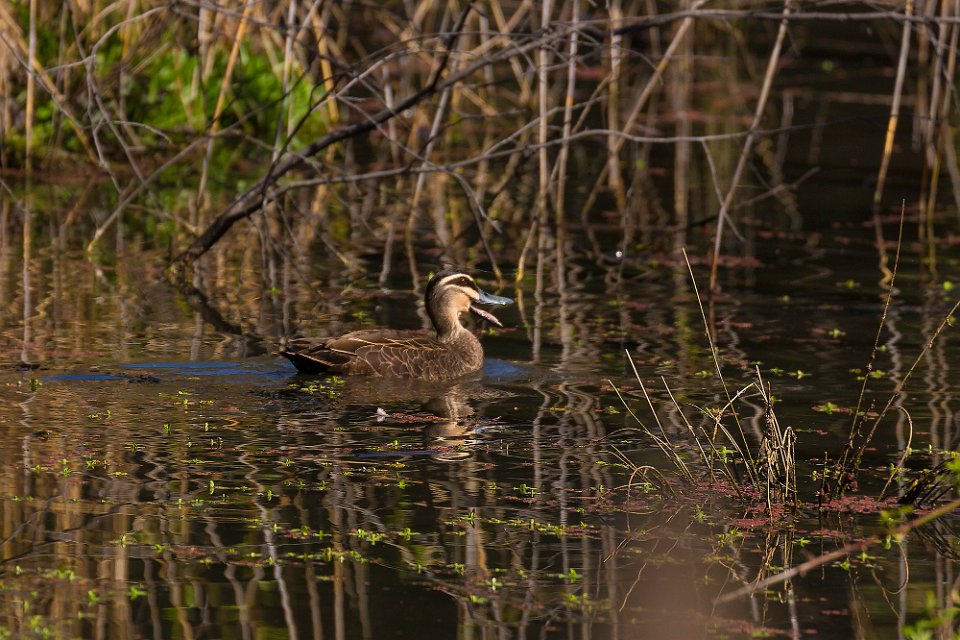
(857, 420)
(716, 363)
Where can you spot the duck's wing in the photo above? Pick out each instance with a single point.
(393, 355)
(371, 352)
(420, 356)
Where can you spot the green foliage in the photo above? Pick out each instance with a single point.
(173, 96)
(161, 90)
(934, 619)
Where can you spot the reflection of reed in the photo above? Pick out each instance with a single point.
(26, 286)
(622, 565)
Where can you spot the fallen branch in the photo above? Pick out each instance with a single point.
(842, 552)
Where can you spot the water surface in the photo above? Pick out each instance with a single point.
(163, 477)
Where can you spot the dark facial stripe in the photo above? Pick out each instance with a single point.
(465, 282)
(452, 278)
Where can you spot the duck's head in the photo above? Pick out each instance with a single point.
(452, 292)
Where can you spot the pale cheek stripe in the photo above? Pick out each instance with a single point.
(454, 276)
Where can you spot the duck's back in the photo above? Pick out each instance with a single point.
(394, 354)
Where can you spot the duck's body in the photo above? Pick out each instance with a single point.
(450, 352)
(392, 354)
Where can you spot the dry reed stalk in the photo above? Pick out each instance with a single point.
(707, 460)
(438, 119)
(925, 106)
(504, 27)
(128, 40)
(928, 126)
(772, 64)
(543, 135)
(214, 20)
(680, 98)
(31, 84)
(411, 37)
(662, 441)
(652, 83)
(407, 35)
(537, 226)
(286, 108)
(941, 129)
(324, 48)
(564, 155)
(222, 97)
(778, 452)
(284, 128)
(196, 78)
(482, 176)
(894, 106)
(614, 178)
(387, 263)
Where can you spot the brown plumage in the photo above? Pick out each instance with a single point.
(451, 352)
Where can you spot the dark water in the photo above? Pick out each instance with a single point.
(165, 478)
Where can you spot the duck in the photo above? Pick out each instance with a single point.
(448, 352)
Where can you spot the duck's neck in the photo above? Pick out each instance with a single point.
(447, 324)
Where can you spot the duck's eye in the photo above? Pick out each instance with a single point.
(466, 283)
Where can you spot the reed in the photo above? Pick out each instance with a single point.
(138, 82)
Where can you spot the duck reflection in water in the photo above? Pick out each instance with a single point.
(445, 417)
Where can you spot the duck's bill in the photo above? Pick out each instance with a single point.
(486, 315)
(486, 298)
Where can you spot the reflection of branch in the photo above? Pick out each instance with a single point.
(199, 302)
